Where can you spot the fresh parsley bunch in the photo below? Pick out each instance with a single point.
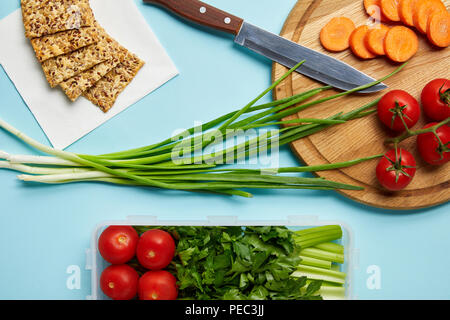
(236, 263)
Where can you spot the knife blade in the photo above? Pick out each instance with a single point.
(318, 66)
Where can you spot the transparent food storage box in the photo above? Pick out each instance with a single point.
(96, 264)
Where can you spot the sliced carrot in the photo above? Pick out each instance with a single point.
(400, 44)
(357, 43)
(439, 29)
(373, 9)
(423, 10)
(336, 33)
(390, 9)
(374, 39)
(406, 11)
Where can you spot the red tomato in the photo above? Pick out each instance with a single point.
(158, 285)
(119, 282)
(396, 172)
(429, 148)
(155, 249)
(396, 104)
(117, 244)
(436, 99)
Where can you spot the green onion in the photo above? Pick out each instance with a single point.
(154, 165)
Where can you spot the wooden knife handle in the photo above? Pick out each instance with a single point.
(203, 14)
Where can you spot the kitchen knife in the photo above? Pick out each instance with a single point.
(318, 66)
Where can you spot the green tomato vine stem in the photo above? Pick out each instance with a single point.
(410, 133)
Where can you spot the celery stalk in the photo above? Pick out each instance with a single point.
(331, 247)
(308, 261)
(332, 293)
(320, 274)
(323, 255)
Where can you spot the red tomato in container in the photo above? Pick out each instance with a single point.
(396, 104)
(395, 172)
(155, 249)
(436, 99)
(117, 244)
(119, 282)
(158, 285)
(429, 147)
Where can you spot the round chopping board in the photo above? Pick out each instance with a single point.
(363, 137)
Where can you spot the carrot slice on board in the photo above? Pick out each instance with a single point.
(357, 43)
(400, 44)
(423, 10)
(390, 9)
(336, 33)
(439, 29)
(406, 11)
(375, 39)
(373, 9)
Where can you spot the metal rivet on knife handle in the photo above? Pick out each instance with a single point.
(203, 14)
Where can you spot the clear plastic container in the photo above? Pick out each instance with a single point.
(96, 264)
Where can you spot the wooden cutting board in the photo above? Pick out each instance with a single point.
(363, 137)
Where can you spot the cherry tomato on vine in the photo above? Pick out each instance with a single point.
(396, 169)
(432, 150)
(119, 282)
(117, 244)
(155, 249)
(158, 285)
(436, 99)
(394, 106)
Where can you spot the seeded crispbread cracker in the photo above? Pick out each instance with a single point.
(69, 65)
(74, 87)
(105, 92)
(44, 17)
(64, 42)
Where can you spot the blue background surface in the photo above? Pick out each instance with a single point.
(45, 229)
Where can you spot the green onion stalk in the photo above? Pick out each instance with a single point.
(185, 162)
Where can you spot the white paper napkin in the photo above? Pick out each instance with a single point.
(63, 121)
